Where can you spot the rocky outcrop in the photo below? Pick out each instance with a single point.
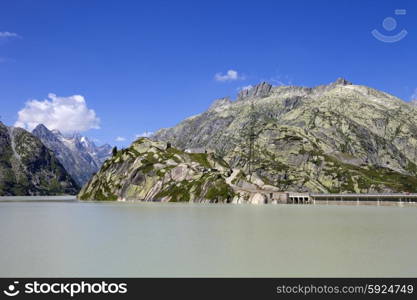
(154, 171)
(338, 137)
(27, 167)
(259, 91)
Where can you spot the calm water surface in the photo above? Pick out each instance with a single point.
(141, 239)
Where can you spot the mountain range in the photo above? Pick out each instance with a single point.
(78, 154)
(333, 138)
(338, 137)
(27, 167)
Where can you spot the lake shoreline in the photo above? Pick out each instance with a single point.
(66, 198)
(74, 199)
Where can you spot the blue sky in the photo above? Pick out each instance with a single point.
(145, 65)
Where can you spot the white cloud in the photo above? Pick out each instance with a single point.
(6, 34)
(229, 76)
(144, 134)
(66, 114)
(120, 139)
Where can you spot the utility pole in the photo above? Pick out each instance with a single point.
(251, 136)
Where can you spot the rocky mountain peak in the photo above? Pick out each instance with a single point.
(327, 87)
(342, 81)
(260, 90)
(42, 132)
(41, 128)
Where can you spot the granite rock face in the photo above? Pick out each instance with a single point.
(155, 171)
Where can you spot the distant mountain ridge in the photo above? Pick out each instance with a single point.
(79, 155)
(28, 168)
